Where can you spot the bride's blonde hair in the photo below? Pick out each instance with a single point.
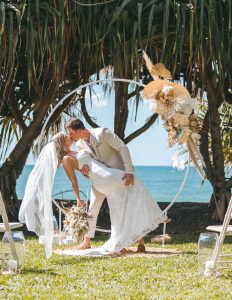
(61, 148)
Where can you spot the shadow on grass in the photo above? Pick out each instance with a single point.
(68, 259)
(225, 275)
(39, 271)
(179, 238)
(176, 238)
(190, 252)
(193, 238)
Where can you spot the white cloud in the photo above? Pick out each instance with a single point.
(98, 98)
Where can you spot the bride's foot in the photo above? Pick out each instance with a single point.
(124, 250)
(82, 246)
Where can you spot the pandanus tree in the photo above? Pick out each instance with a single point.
(196, 46)
(211, 67)
(44, 50)
(129, 29)
(226, 127)
(48, 48)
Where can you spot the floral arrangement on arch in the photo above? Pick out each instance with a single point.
(77, 223)
(177, 108)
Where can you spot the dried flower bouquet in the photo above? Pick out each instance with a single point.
(77, 223)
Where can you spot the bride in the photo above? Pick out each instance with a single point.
(133, 212)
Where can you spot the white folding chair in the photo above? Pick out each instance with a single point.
(6, 227)
(219, 259)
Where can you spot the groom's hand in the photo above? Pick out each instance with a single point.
(85, 170)
(129, 178)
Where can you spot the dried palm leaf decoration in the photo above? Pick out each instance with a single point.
(177, 108)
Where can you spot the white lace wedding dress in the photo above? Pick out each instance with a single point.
(133, 212)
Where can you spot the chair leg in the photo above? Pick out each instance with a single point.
(8, 230)
(222, 234)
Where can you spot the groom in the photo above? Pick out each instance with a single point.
(106, 147)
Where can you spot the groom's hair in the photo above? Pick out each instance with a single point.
(75, 124)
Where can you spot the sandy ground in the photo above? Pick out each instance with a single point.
(131, 252)
(150, 252)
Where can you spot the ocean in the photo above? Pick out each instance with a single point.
(162, 182)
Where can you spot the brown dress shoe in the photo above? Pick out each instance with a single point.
(141, 248)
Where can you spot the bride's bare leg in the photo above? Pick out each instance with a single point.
(85, 244)
(70, 171)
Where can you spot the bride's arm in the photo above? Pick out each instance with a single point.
(68, 165)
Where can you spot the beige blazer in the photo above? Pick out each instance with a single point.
(108, 149)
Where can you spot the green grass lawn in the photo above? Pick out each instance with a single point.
(63, 277)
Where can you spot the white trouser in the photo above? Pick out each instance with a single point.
(96, 201)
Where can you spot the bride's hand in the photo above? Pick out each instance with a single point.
(80, 203)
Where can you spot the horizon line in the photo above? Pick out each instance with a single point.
(134, 165)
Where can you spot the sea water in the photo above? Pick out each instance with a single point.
(163, 182)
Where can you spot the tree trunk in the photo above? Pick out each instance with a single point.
(204, 148)
(121, 109)
(221, 193)
(8, 177)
